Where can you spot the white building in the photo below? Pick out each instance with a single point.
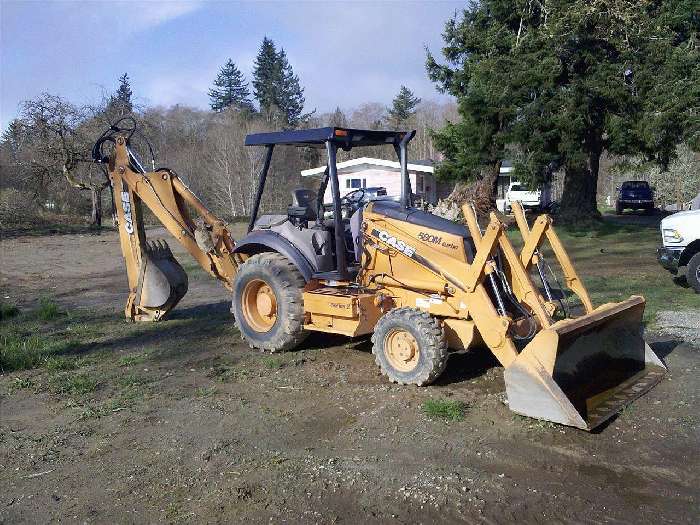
(368, 172)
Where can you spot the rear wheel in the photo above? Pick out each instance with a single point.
(692, 272)
(268, 303)
(409, 347)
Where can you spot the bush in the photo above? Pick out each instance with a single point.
(444, 409)
(8, 311)
(17, 207)
(47, 310)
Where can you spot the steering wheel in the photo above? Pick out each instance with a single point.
(354, 198)
(352, 201)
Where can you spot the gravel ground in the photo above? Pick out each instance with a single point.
(684, 325)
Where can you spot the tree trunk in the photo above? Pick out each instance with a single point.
(489, 185)
(96, 216)
(579, 199)
(481, 193)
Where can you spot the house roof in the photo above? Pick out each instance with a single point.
(356, 164)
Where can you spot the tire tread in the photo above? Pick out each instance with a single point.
(432, 343)
(291, 283)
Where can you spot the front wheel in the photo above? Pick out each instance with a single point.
(692, 272)
(409, 347)
(268, 303)
(618, 209)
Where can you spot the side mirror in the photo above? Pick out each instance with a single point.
(617, 188)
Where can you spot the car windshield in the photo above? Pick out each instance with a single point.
(516, 187)
(635, 185)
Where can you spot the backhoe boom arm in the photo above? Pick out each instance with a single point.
(151, 268)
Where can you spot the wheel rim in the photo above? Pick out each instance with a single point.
(402, 350)
(259, 305)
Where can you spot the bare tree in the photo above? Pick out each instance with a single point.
(233, 167)
(59, 144)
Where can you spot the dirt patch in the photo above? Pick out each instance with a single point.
(182, 422)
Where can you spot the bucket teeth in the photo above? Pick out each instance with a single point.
(158, 249)
(163, 281)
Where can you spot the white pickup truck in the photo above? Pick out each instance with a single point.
(680, 253)
(531, 199)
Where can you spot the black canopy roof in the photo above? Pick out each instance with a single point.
(344, 137)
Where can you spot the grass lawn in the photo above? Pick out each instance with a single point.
(618, 259)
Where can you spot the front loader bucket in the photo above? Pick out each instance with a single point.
(162, 281)
(582, 371)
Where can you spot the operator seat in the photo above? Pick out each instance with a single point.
(304, 206)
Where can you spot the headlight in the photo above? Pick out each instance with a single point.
(671, 235)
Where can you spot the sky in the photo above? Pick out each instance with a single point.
(345, 52)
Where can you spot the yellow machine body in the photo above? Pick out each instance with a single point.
(577, 371)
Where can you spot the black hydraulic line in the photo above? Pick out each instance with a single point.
(499, 300)
(341, 263)
(261, 187)
(563, 299)
(134, 160)
(543, 278)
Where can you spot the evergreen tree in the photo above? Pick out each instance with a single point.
(564, 85)
(120, 103)
(230, 89)
(290, 93)
(338, 119)
(403, 107)
(275, 85)
(12, 136)
(267, 76)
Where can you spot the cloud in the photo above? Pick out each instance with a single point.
(148, 15)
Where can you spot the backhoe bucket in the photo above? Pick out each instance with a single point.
(162, 281)
(580, 372)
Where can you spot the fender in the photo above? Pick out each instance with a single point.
(264, 241)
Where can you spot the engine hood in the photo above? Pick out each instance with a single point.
(687, 223)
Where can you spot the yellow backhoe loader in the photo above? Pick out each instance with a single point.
(423, 286)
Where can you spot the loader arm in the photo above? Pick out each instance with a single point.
(577, 372)
(464, 286)
(533, 239)
(156, 280)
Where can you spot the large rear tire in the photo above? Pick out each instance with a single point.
(268, 302)
(692, 272)
(410, 347)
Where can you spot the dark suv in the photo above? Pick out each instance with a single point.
(635, 195)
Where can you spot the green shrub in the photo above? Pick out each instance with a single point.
(76, 384)
(273, 362)
(48, 310)
(21, 352)
(444, 409)
(60, 363)
(8, 311)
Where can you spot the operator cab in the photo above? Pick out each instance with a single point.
(329, 239)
